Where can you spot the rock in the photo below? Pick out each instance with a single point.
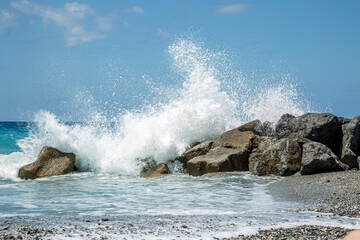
(156, 171)
(220, 159)
(344, 120)
(283, 124)
(318, 158)
(257, 127)
(146, 163)
(319, 127)
(351, 143)
(235, 139)
(195, 151)
(50, 162)
(281, 157)
(260, 139)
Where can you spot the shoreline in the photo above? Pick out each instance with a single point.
(335, 193)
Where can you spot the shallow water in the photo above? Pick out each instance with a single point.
(99, 194)
(177, 206)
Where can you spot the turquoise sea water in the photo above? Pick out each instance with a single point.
(10, 133)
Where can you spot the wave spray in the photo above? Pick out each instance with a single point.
(201, 109)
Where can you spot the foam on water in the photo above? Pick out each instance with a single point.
(200, 110)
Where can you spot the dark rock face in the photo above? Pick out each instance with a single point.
(281, 157)
(50, 162)
(283, 124)
(318, 158)
(156, 171)
(318, 127)
(351, 143)
(219, 159)
(197, 150)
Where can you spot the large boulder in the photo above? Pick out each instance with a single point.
(351, 143)
(318, 158)
(279, 157)
(50, 162)
(195, 151)
(230, 152)
(318, 127)
(220, 159)
(156, 171)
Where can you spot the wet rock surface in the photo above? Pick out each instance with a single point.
(157, 171)
(50, 162)
(198, 150)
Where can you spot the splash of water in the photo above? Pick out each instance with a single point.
(200, 110)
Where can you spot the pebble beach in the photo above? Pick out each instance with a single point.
(337, 193)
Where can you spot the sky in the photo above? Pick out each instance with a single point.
(54, 55)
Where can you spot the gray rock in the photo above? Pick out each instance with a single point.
(156, 171)
(318, 158)
(319, 127)
(146, 163)
(235, 139)
(257, 127)
(281, 157)
(344, 120)
(283, 124)
(195, 151)
(351, 143)
(220, 159)
(50, 162)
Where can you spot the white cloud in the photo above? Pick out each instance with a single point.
(7, 21)
(135, 10)
(161, 32)
(70, 18)
(105, 23)
(235, 8)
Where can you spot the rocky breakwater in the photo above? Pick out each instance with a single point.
(50, 162)
(308, 144)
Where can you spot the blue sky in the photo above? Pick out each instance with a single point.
(50, 51)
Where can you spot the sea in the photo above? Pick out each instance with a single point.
(109, 152)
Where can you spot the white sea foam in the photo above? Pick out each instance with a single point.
(198, 111)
